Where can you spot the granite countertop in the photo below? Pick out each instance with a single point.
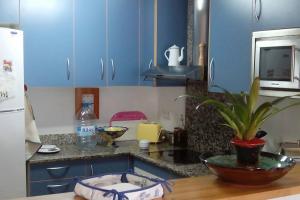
(73, 152)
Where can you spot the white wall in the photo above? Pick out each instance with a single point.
(54, 107)
(284, 126)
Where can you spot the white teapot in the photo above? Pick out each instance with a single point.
(174, 58)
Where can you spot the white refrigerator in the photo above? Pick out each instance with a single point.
(12, 124)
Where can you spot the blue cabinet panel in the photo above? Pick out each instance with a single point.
(123, 42)
(157, 171)
(9, 11)
(110, 165)
(276, 14)
(90, 43)
(52, 187)
(147, 37)
(57, 170)
(230, 44)
(171, 27)
(48, 38)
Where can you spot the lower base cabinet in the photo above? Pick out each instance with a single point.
(110, 165)
(52, 187)
(60, 177)
(150, 170)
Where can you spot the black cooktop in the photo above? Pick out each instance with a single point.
(182, 156)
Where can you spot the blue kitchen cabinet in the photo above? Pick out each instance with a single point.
(117, 164)
(52, 187)
(48, 40)
(90, 43)
(9, 12)
(154, 170)
(171, 29)
(123, 42)
(147, 38)
(54, 177)
(230, 45)
(57, 170)
(270, 14)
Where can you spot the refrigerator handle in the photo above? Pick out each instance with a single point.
(68, 68)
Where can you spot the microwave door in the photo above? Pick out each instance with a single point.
(276, 64)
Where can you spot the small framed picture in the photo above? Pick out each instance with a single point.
(87, 95)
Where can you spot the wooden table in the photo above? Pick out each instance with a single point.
(211, 188)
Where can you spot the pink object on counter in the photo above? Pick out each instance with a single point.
(128, 116)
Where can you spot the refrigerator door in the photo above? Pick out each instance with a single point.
(12, 155)
(11, 70)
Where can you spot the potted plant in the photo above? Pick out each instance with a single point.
(245, 117)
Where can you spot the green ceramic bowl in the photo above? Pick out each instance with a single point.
(269, 168)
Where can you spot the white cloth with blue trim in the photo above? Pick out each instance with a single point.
(126, 186)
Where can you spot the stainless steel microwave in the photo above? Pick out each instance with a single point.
(276, 58)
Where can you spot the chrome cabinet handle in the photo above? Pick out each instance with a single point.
(211, 72)
(102, 69)
(257, 9)
(58, 171)
(113, 69)
(92, 170)
(68, 68)
(150, 64)
(58, 188)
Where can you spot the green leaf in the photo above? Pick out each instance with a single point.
(253, 95)
(279, 100)
(225, 109)
(277, 110)
(231, 124)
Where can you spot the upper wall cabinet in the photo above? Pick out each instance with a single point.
(9, 12)
(270, 14)
(230, 44)
(161, 27)
(147, 37)
(48, 38)
(171, 27)
(123, 42)
(90, 43)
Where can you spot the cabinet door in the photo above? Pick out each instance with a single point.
(268, 14)
(90, 42)
(153, 171)
(9, 11)
(48, 38)
(171, 29)
(57, 170)
(123, 42)
(116, 164)
(230, 44)
(52, 187)
(147, 37)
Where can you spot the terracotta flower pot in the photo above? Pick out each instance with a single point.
(248, 150)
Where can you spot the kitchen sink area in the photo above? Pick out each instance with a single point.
(161, 160)
(162, 155)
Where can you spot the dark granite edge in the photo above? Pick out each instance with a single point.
(185, 170)
(76, 157)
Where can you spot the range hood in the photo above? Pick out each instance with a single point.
(173, 72)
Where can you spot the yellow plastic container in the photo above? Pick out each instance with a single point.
(148, 131)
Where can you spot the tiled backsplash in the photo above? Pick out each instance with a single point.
(205, 132)
(54, 107)
(203, 125)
